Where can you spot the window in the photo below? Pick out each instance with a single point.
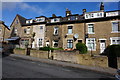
(40, 42)
(28, 30)
(115, 40)
(69, 29)
(90, 42)
(47, 43)
(92, 15)
(41, 28)
(28, 21)
(55, 20)
(90, 28)
(0, 30)
(72, 17)
(55, 43)
(24, 42)
(15, 30)
(16, 21)
(79, 41)
(40, 19)
(55, 30)
(25, 31)
(115, 27)
(70, 43)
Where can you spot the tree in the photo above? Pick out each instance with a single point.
(81, 47)
(112, 51)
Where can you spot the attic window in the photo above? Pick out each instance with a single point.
(28, 21)
(40, 19)
(72, 18)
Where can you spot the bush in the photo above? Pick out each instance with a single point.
(45, 48)
(112, 51)
(81, 47)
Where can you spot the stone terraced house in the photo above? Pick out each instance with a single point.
(4, 32)
(96, 29)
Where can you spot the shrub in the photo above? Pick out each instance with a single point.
(48, 48)
(45, 48)
(81, 47)
(113, 51)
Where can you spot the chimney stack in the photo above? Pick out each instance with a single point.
(68, 12)
(102, 6)
(84, 10)
(53, 15)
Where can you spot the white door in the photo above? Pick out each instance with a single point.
(102, 47)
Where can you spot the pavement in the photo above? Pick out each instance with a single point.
(106, 70)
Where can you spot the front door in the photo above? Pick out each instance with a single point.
(102, 46)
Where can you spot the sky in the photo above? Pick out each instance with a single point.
(35, 9)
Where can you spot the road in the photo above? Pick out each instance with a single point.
(20, 68)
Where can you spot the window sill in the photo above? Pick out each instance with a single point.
(69, 34)
(55, 34)
(92, 50)
(116, 32)
(91, 33)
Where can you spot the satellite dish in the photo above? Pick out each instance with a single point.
(76, 36)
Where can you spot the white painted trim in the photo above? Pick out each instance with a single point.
(90, 23)
(115, 32)
(69, 34)
(114, 38)
(70, 25)
(79, 39)
(91, 33)
(87, 45)
(116, 21)
(102, 39)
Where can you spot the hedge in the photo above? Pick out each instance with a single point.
(112, 51)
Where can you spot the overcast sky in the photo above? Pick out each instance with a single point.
(35, 9)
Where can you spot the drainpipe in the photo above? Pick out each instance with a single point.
(84, 10)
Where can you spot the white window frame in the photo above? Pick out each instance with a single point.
(15, 31)
(55, 20)
(28, 31)
(93, 27)
(38, 42)
(115, 39)
(54, 43)
(68, 43)
(40, 19)
(90, 44)
(27, 21)
(112, 26)
(41, 29)
(56, 29)
(68, 31)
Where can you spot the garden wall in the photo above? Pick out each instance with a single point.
(69, 56)
(84, 59)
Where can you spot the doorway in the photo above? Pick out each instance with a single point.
(102, 46)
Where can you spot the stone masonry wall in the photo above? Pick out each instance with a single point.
(84, 59)
(70, 56)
